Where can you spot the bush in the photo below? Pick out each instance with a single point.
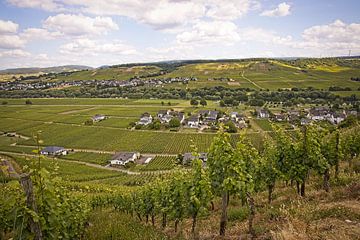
(174, 122)
(138, 126)
(4, 102)
(89, 122)
(28, 102)
(356, 165)
(238, 214)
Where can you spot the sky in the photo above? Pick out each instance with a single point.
(42, 33)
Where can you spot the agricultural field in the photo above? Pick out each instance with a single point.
(160, 163)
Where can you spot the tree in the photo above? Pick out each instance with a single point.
(222, 103)
(174, 122)
(203, 102)
(230, 127)
(4, 102)
(89, 122)
(28, 102)
(194, 102)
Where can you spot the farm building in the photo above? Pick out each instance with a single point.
(166, 115)
(122, 158)
(162, 113)
(193, 121)
(98, 117)
(53, 150)
(188, 157)
(263, 113)
(145, 119)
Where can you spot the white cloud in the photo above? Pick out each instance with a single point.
(77, 25)
(11, 42)
(228, 9)
(17, 53)
(283, 9)
(39, 33)
(223, 32)
(49, 5)
(160, 14)
(93, 48)
(8, 27)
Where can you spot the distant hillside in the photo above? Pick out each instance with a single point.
(56, 69)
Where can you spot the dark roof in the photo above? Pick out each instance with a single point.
(123, 156)
(193, 118)
(52, 149)
(162, 112)
(189, 156)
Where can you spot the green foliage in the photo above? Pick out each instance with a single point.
(89, 122)
(230, 127)
(238, 214)
(174, 123)
(194, 102)
(61, 215)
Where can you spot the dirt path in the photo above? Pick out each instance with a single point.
(107, 167)
(8, 168)
(249, 80)
(78, 111)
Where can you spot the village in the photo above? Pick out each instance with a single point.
(18, 84)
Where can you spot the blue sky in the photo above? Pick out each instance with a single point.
(91, 32)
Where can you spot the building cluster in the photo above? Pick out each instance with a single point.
(306, 116)
(39, 85)
(164, 116)
(200, 119)
(208, 118)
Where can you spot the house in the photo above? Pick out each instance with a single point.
(53, 150)
(162, 113)
(263, 113)
(145, 119)
(212, 116)
(293, 115)
(181, 117)
(122, 158)
(98, 117)
(208, 116)
(193, 121)
(304, 121)
(318, 114)
(336, 118)
(188, 157)
(279, 117)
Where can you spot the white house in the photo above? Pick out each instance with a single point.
(193, 121)
(263, 113)
(54, 150)
(122, 158)
(145, 119)
(98, 117)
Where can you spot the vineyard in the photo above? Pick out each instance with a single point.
(160, 163)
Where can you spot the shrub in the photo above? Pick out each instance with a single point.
(238, 214)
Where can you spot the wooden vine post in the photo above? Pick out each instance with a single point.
(27, 185)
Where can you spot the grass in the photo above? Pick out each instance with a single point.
(69, 171)
(97, 158)
(108, 224)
